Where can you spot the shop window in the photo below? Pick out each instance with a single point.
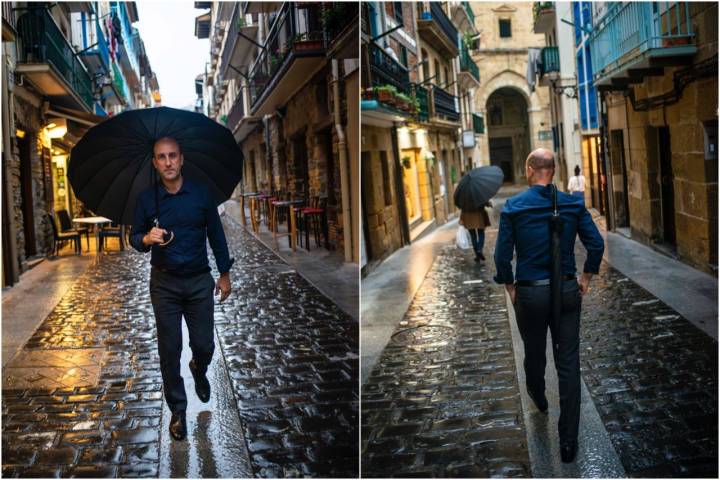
(505, 28)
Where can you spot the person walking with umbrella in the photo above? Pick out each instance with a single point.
(471, 196)
(540, 225)
(167, 170)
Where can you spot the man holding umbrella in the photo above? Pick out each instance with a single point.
(164, 171)
(544, 291)
(180, 280)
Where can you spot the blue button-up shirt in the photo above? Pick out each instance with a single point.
(525, 228)
(192, 216)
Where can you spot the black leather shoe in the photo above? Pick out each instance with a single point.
(178, 427)
(568, 452)
(540, 401)
(482, 257)
(202, 386)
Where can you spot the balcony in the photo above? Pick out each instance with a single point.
(48, 61)
(9, 27)
(260, 7)
(237, 50)
(463, 16)
(635, 39)
(444, 105)
(294, 50)
(437, 30)
(469, 74)
(385, 70)
(543, 16)
(478, 124)
(95, 51)
(550, 70)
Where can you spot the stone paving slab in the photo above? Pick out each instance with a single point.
(292, 357)
(653, 377)
(443, 398)
(104, 323)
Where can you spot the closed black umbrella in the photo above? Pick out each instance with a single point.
(477, 187)
(556, 276)
(112, 162)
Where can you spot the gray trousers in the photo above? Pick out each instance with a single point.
(533, 311)
(173, 298)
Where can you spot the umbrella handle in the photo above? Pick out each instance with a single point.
(172, 236)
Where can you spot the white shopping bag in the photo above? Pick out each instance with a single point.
(462, 239)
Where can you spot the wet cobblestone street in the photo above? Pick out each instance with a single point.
(84, 396)
(653, 378)
(443, 399)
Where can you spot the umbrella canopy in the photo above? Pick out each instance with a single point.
(477, 187)
(112, 163)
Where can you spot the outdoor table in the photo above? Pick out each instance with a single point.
(98, 222)
(279, 204)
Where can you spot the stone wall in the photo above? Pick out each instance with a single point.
(695, 178)
(380, 200)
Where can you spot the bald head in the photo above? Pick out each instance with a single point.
(540, 166)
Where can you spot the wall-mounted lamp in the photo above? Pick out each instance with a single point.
(56, 127)
(19, 133)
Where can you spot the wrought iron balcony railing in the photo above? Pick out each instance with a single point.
(421, 94)
(478, 123)
(467, 64)
(43, 42)
(631, 31)
(295, 31)
(385, 70)
(237, 111)
(437, 14)
(550, 60)
(337, 16)
(444, 104)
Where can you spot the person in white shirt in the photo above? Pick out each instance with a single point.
(576, 185)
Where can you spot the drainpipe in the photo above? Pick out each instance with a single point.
(342, 151)
(268, 151)
(7, 194)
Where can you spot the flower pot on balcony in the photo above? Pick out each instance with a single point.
(675, 41)
(369, 94)
(307, 45)
(385, 97)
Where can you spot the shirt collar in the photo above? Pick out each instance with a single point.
(184, 188)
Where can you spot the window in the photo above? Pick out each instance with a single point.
(437, 80)
(505, 28)
(711, 137)
(403, 56)
(397, 11)
(387, 186)
(447, 78)
(425, 65)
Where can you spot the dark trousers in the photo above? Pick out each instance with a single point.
(477, 235)
(173, 298)
(534, 316)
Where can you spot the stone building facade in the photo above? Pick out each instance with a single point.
(279, 102)
(661, 139)
(517, 117)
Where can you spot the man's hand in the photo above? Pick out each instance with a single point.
(154, 236)
(223, 285)
(584, 282)
(510, 287)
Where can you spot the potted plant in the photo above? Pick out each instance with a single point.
(406, 162)
(302, 42)
(403, 101)
(386, 94)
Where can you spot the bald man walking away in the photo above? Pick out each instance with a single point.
(525, 229)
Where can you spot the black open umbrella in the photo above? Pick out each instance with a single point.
(477, 187)
(112, 162)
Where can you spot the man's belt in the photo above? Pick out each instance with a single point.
(540, 283)
(180, 273)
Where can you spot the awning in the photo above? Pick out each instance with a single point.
(83, 118)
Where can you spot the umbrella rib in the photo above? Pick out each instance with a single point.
(137, 170)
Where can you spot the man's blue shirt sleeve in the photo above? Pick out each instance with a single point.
(592, 240)
(504, 249)
(139, 228)
(216, 235)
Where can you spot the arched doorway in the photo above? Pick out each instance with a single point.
(508, 133)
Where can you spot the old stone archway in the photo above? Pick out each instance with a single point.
(508, 132)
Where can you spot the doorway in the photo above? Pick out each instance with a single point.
(667, 189)
(26, 194)
(501, 155)
(411, 184)
(620, 180)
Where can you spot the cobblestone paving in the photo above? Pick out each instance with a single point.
(443, 399)
(292, 356)
(290, 352)
(110, 428)
(653, 378)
